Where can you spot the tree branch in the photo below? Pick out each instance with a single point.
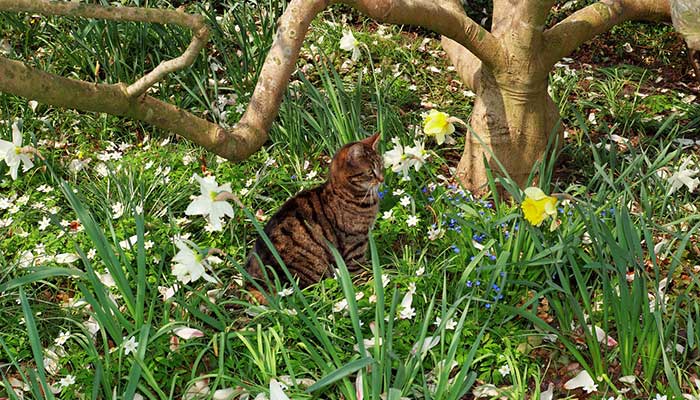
(466, 63)
(21, 80)
(443, 17)
(237, 143)
(566, 36)
(152, 15)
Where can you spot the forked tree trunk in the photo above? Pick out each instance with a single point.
(512, 122)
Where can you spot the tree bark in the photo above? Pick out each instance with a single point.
(509, 126)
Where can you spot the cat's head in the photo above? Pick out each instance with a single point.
(358, 166)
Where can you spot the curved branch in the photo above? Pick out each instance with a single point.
(443, 17)
(566, 36)
(466, 63)
(21, 80)
(135, 14)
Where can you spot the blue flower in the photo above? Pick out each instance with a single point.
(487, 305)
(455, 248)
(469, 283)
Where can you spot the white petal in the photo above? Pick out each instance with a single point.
(66, 258)
(224, 394)
(276, 392)
(535, 193)
(28, 164)
(5, 147)
(16, 135)
(548, 394)
(188, 333)
(200, 206)
(582, 379)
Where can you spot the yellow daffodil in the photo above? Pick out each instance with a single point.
(537, 206)
(437, 124)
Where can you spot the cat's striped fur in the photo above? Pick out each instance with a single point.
(341, 211)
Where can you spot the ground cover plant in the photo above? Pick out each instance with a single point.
(108, 289)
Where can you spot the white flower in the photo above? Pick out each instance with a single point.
(311, 175)
(405, 309)
(286, 292)
(660, 397)
(412, 220)
(397, 192)
(67, 381)
(91, 254)
(388, 215)
(148, 244)
(582, 380)
(117, 210)
(420, 271)
(450, 325)
(44, 223)
(187, 159)
(435, 233)
(340, 306)
(62, 338)
(349, 43)
(416, 155)
(12, 153)
(205, 204)
(405, 201)
(188, 265)
(684, 176)
(504, 370)
(396, 159)
(130, 345)
(44, 188)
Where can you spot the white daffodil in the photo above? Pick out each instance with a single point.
(206, 205)
(684, 176)
(349, 43)
(188, 265)
(396, 159)
(405, 309)
(11, 153)
(416, 155)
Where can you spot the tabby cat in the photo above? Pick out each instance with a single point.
(340, 211)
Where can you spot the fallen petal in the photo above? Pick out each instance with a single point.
(188, 333)
(582, 379)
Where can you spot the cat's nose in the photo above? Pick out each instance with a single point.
(380, 178)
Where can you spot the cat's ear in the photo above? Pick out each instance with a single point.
(372, 140)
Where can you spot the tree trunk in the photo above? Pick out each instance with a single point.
(514, 121)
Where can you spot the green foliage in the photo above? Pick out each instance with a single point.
(494, 300)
